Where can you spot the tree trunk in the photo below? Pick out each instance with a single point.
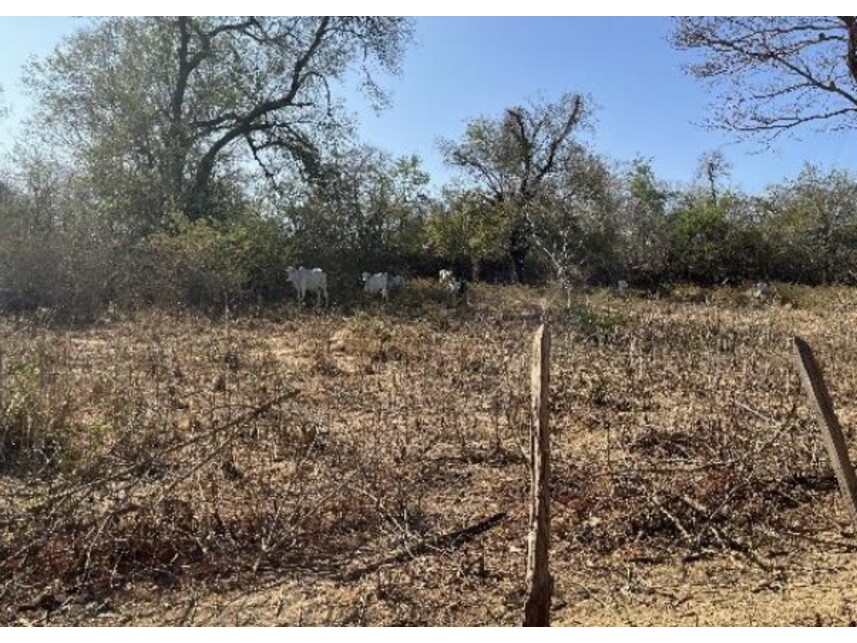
(519, 248)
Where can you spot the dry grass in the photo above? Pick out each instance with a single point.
(303, 467)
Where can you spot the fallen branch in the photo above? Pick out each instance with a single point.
(742, 548)
(673, 519)
(449, 541)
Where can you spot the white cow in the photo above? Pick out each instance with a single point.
(449, 283)
(762, 291)
(306, 279)
(380, 282)
(397, 281)
(457, 286)
(622, 287)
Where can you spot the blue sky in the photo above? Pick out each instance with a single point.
(460, 68)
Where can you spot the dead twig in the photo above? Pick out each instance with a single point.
(449, 541)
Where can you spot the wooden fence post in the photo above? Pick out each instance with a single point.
(539, 581)
(831, 431)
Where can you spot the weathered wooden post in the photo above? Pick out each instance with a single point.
(539, 581)
(831, 431)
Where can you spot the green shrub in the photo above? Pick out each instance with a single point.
(207, 263)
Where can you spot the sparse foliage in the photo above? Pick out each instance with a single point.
(56, 248)
(713, 168)
(775, 73)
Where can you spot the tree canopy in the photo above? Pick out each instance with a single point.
(514, 157)
(172, 107)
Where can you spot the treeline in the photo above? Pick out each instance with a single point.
(162, 169)
(58, 249)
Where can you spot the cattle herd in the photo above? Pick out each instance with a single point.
(381, 283)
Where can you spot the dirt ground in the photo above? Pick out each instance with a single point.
(304, 467)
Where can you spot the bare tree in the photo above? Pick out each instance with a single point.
(713, 168)
(775, 73)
